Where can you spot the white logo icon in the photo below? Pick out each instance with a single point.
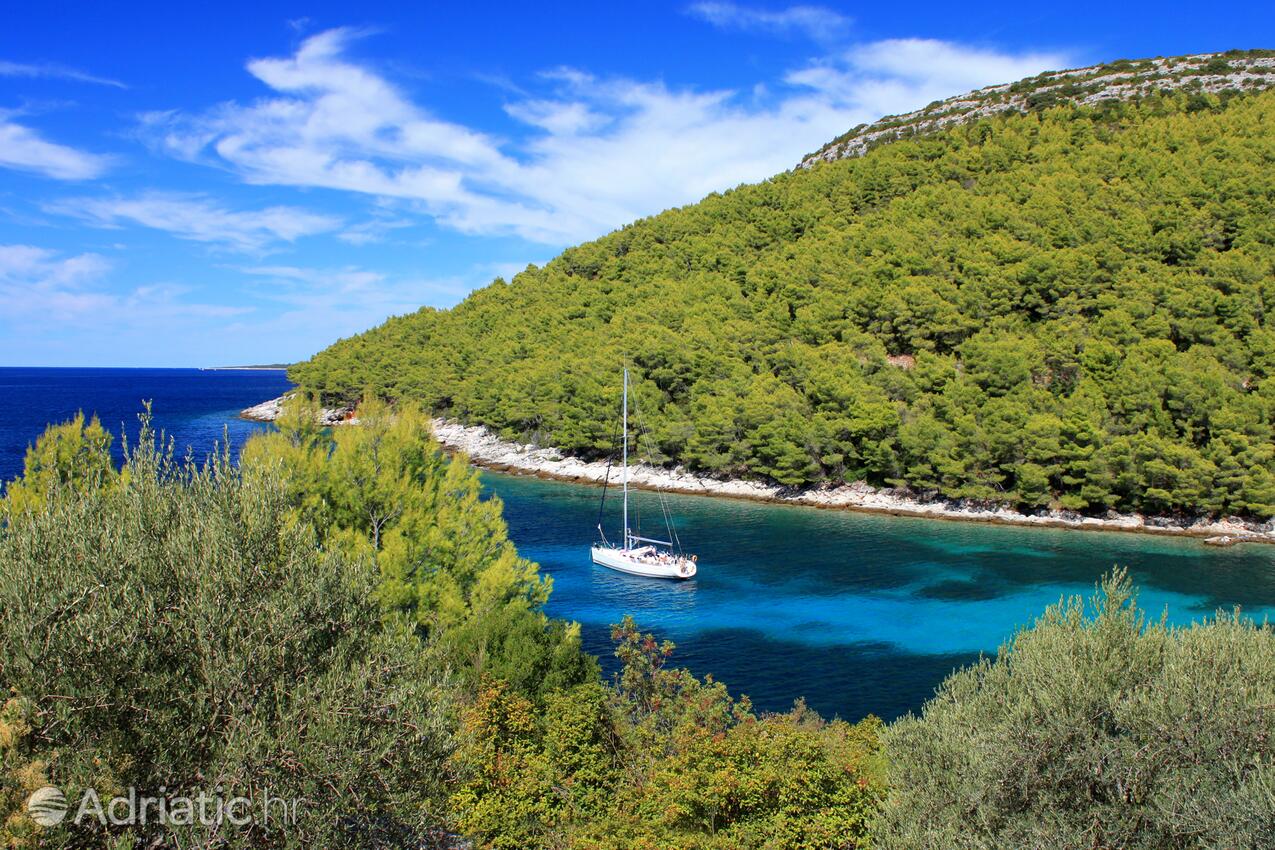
(47, 806)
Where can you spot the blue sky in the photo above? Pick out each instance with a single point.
(243, 183)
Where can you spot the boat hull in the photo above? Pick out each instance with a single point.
(677, 569)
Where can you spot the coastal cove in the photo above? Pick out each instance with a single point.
(519, 441)
(489, 451)
(855, 611)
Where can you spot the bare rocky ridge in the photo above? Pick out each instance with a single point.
(1205, 73)
(488, 450)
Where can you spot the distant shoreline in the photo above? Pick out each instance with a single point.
(244, 368)
(487, 450)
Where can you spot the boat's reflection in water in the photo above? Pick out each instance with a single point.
(633, 594)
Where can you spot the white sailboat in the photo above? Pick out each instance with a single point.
(642, 556)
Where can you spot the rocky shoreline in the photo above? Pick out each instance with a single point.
(269, 411)
(488, 450)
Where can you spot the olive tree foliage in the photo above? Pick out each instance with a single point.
(178, 632)
(1095, 729)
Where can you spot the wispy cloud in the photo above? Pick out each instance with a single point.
(595, 152)
(22, 149)
(354, 287)
(814, 22)
(349, 279)
(376, 229)
(199, 219)
(51, 286)
(317, 304)
(39, 281)
(52, 70)
(884, 75)
(54, 301)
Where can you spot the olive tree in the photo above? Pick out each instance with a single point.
(1095, 729)
(178, 632)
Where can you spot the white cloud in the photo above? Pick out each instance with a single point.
(50, 70)
(56, 307)
(41, 286)
(594, 153)
(814, 22)
(349, 279)
(319, 305)
(24, 150)
(38, 281)
(560, 119)
(199, 219)
(884, 74)
(375, 229)
(321, 290)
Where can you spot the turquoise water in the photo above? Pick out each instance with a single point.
(856, 613)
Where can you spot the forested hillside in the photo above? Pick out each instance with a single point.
(1073, 307)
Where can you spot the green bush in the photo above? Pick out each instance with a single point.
(75, 454)
(662, 761)
(178, 632)
(1094, 728)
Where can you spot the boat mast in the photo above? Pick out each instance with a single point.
(625, 476)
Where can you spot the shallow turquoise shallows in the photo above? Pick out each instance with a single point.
(857, 613)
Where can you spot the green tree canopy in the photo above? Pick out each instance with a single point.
(901, 317)
(383, 490)
(74, 454)
(661, 760)
(177, 632)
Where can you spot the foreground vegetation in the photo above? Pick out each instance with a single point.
(341, 618)
(1073, 308)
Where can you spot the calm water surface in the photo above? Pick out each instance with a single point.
(857, 613)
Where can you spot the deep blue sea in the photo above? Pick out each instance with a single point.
(855, 612)
(189, 405)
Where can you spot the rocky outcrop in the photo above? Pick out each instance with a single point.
(269, 411)
(1207, 73)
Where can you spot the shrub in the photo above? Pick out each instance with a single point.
(178, 632)
(1094, 729)
(662, 760)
